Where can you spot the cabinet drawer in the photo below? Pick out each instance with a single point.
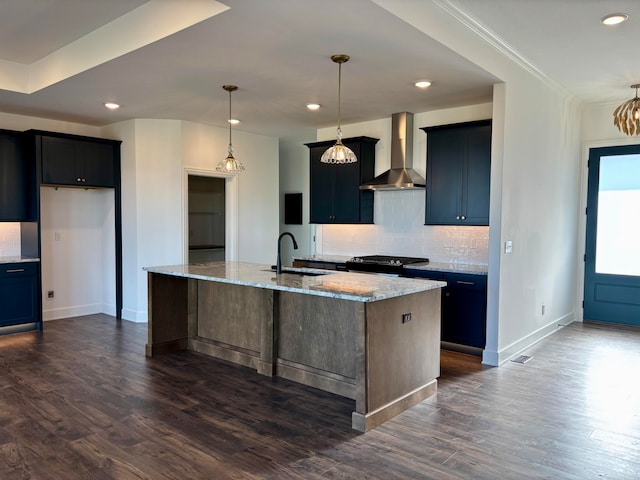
(466, 281)
(426, 274)
(8, 270)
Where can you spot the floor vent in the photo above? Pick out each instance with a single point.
(521, 359)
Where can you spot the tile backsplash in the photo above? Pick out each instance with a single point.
(9, 239)
(399, 230)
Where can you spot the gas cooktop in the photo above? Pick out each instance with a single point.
(382, 263)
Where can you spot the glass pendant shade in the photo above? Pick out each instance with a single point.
(627, 116)
(339, 154)
(230, 164)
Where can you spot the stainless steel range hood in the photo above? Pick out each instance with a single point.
(400, 176)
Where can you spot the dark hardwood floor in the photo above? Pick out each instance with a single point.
(81, 401)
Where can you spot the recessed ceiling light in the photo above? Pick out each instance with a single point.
(313, 106)
(422, 84)
(233, 121)
(112, 106)
(614, 18)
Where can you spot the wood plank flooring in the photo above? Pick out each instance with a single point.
(81, 401)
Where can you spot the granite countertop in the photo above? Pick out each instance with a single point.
(433, 266)
(451, 268)
(323, 258)
(359, 287)
(18, 259)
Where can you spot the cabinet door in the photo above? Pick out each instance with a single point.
(13, 178)
(464, 310)
(321, 195)
(477, 176)
(444, 186)
(59, 161)
(346, 190)
(97, 164)
(458, 174)
(335, 195)
(74, 162)
(18, 294)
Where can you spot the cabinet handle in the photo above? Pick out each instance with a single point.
(460, 282)
(457, 217)
(15, 270)
(463, 217)
(78, 180)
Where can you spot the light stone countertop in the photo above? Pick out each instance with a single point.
(18, 259)
(323, 258)
(359, 287)
(452, 267)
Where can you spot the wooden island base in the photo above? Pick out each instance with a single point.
(372, 352)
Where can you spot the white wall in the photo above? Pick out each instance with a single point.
(156, 155)
(257, 187)
(78, 257)
(151, 204)
(294, 178)
(536, 159)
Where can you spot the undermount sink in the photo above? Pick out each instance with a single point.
(302, 273)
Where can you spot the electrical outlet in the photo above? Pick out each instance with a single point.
(406, 317)
(51, 294)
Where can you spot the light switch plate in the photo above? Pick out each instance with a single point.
(508, 246)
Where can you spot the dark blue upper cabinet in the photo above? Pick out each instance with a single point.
(458, 174)
(13, 177)
(75, 162)
(334, 190)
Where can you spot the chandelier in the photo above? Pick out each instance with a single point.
(627, 116)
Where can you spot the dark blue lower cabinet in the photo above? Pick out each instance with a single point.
(464, 307)
(19, 294)
(464, 310)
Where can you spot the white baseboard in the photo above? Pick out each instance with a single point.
(134, 315)
(497, 358)
(108, 309)
(68, 312)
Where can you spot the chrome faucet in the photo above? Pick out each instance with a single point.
(295, 247)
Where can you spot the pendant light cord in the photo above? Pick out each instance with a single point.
(230, 148)
(339, 90)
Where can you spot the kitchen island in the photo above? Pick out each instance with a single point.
(371, 338)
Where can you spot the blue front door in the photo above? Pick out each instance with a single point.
(612, 260)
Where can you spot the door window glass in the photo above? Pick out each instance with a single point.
(618, 228)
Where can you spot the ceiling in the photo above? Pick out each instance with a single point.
(168, 59)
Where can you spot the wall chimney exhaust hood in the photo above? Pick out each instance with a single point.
(400, 176)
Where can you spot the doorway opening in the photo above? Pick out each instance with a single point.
(207, 219)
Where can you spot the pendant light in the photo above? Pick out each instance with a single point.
(627, 116)
(339, 154)
(230, 164)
